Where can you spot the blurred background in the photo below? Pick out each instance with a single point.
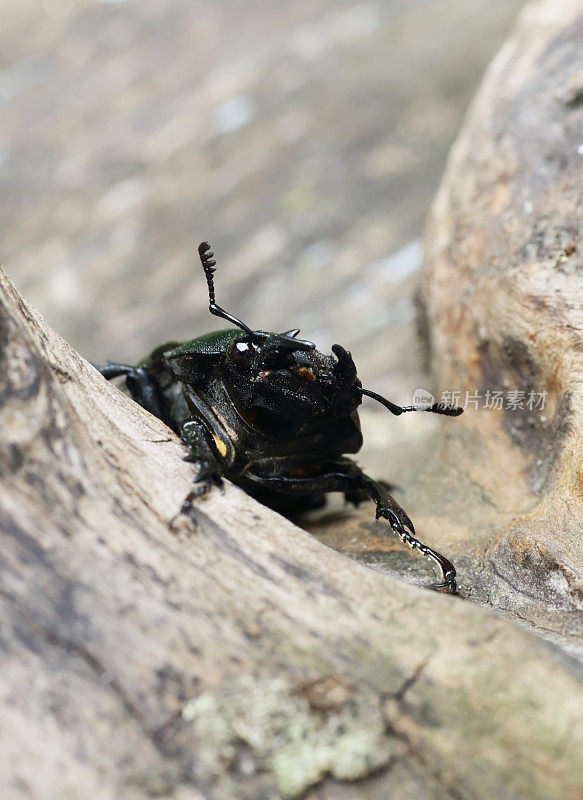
(304, 140)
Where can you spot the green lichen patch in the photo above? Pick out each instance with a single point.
(284, 734)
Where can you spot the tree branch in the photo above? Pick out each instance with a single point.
(244, 658)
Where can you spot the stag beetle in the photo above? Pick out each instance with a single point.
(272, 414)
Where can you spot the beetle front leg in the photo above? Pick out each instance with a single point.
(141, 384)
(389, 509)
(343, 475)
(208, 471)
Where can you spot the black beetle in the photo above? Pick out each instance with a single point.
(272, 414)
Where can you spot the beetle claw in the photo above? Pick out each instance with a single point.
(399, 523)
(449, 582)
(219, 483)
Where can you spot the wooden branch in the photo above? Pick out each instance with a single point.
(242, 658)
(502, 303)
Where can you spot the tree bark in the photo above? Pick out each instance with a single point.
(501, 314)
(242, 658)
(502, 303)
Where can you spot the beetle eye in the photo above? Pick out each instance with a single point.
(240, 353)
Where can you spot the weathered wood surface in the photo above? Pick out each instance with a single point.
(301, 663)
(501, 309)
(243, 658)
(502, 296)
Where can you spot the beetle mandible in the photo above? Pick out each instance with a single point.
(272, 414)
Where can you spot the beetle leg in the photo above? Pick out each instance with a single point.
(360, 494)
(356, 496)
(193, 435)
(142, 386)
(113, 370)
(389, 509)
(343, 475)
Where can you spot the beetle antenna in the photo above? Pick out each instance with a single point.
(436, 408)
(209, 266)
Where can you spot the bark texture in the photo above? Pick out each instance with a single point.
(501, 310)
(241, 657)
(502, 305)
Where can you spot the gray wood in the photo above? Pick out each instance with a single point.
(241, 657)
(502, 295)
(500, 305)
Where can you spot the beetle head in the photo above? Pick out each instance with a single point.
(279, 382)
(283, 388)
(283, 384)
